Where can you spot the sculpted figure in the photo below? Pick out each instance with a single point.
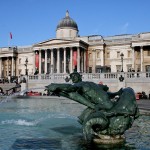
(104, 120)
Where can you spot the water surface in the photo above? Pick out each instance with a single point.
(52, 124)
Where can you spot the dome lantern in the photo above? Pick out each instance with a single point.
(67, 13)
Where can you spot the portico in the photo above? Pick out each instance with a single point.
(61, 59)
(8, 62)
(140, 57)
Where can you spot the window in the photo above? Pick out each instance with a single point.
(19, 60)
(118, 68)
(108, 54)
(118, 54)
(147, 68)
(129, 67)
(90, 69)
(98, 54)
(19, 71)
(129, 53)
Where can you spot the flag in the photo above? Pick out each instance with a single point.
(10, 35)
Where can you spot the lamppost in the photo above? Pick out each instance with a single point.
(122, 55)
(26, 64)
(104, 46)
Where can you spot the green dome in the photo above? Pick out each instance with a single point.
(67, 22)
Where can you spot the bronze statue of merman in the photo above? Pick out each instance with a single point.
(104, 121)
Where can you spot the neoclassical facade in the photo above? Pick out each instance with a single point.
(61, 56)
(69, 51)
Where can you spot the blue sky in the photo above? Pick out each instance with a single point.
(33, 21)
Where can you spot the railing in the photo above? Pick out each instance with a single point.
(137, 75)
(92, 76)
(139, 81)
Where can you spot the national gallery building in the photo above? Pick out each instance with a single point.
(86, 54)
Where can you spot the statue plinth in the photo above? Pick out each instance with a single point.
(106, 139)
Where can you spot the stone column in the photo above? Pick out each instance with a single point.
(1, 67)
(85, 61)
(78, 59)
(102, 57)
(133, 58)
(52, 61)
(58, 60)
(12, 68)
(64, 60)
(34, 62)
(82, 61)
(71, 52)
(15, 66)
(7, 66)
(39, 61)
(94, 60)
(45, 61)
(141, 51)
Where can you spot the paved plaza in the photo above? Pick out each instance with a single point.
(144, 106)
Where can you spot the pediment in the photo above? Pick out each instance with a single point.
(54, 42)
(60, 43)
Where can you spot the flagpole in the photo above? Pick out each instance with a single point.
(9, 40)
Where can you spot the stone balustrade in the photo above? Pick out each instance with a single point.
(139, 81)
(92, 76)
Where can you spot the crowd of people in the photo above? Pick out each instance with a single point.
(11, 90)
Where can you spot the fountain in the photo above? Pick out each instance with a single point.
(51, 122)
(103, 121)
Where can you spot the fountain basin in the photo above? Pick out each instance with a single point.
(52, 123)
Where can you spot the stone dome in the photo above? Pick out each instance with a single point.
(67, 22)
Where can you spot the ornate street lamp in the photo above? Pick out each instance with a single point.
(122, 55)
(26, 64)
